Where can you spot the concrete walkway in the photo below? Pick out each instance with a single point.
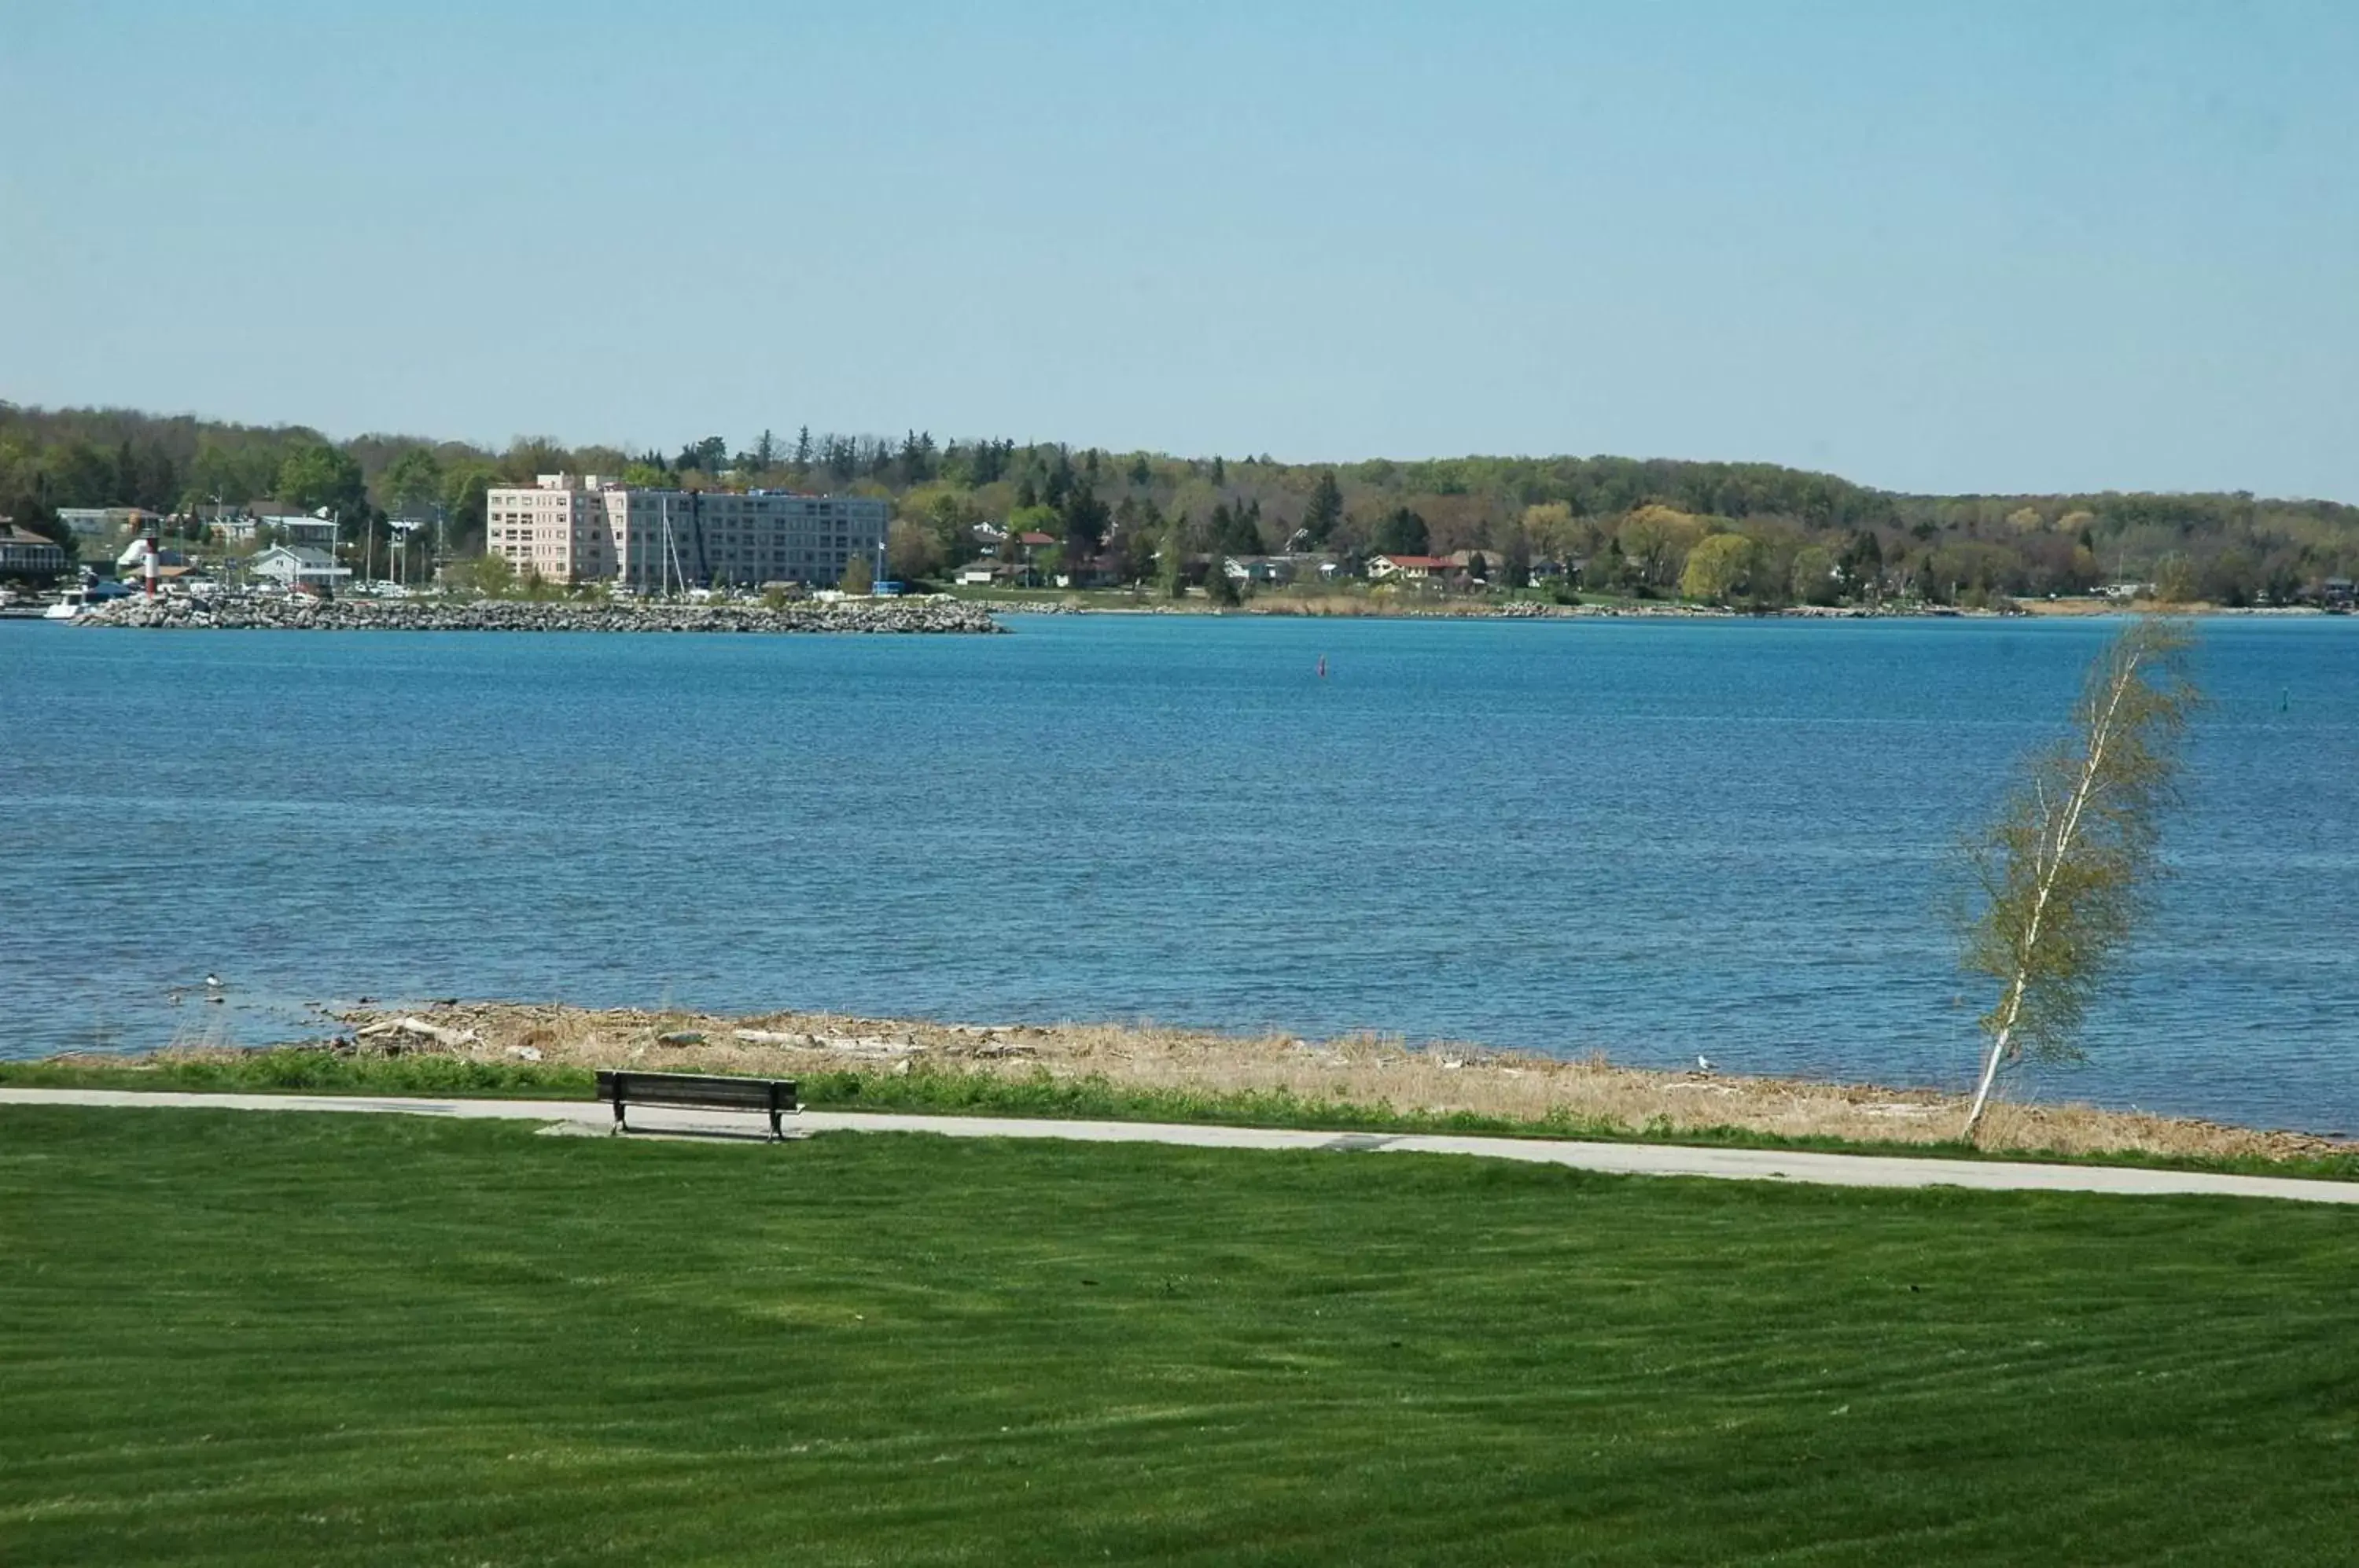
(1620, 1159)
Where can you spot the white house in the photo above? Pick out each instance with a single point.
(1408, 568)
(303, 529)
(292, 565)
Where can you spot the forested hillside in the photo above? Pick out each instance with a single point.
(1634, 523)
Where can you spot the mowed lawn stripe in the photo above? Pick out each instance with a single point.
(230, 1338)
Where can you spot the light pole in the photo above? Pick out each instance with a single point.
(401, 530)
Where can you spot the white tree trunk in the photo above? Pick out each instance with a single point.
(2051, 861)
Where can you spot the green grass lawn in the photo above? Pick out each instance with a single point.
(238, 1338)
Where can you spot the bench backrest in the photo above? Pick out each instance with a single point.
(698, 1089)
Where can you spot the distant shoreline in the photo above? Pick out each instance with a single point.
(934, 615)
(1343, 607)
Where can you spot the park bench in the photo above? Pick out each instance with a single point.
(695, 1090)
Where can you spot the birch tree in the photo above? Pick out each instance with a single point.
(2067, 867)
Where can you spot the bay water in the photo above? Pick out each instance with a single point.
(1652, 839)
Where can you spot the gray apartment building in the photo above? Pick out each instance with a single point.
(581, 528)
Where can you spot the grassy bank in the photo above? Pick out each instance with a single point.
(229, 1339)
(948, 1090)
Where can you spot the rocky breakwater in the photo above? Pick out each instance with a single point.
(257, 613)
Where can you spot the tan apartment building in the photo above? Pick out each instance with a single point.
(578, 529)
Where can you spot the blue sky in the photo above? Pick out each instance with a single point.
(1983, 246)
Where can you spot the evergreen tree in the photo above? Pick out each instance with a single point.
(1517, 557)
(1171, 562)
(1085, 520)
(1326, 509)
(1402, 532)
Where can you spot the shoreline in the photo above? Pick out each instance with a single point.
(1366, 1074)
(1346, 607)
(934, 615)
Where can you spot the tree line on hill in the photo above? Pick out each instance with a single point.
(1734, 532)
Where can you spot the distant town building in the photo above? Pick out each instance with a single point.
(105, 522)
(287, 523)
(24, 553)
(295, 565)
(290, 523)
(578, 528)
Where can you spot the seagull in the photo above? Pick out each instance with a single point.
(1703, 1063)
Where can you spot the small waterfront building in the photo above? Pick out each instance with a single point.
(578, 528)
(24, 553)
(980, 573)
(295, 566)
(1257, 569)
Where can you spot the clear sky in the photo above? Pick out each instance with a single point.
(1970, 246)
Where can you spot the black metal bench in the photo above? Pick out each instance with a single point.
(695, 1090)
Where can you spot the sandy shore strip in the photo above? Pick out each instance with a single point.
(1563, 1096)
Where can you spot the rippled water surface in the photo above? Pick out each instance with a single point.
(1649, 839)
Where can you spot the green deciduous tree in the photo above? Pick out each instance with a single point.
(2066, 867)
(857, 578)
(1815, 579)
(1718, 568)
(1656, 540)
(494, 576)
(2175, 578)
(316, 475)
(412, 484)
(911, 551)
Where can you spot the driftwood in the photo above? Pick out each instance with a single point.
(865, 1045)
(420, 1026)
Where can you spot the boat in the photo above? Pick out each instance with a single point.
(92, 590)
